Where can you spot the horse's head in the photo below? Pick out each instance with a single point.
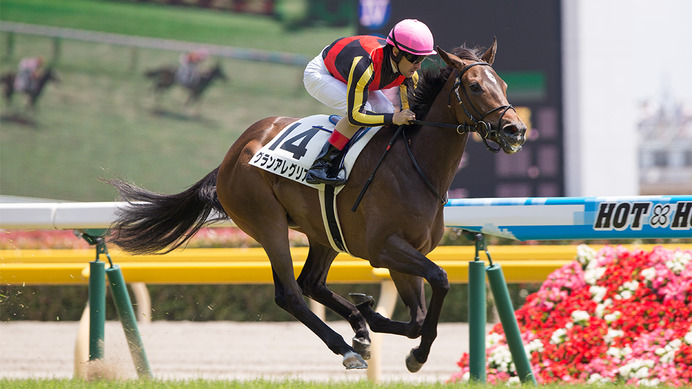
(482, 105)
(50, 74)
(217, 72)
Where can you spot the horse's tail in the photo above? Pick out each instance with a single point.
(155, 223)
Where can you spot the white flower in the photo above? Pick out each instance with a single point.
(668, 352)
(585, 254)
(614, 352)
(600, 308)
(492, 339)
(591, 276)
(534, 345)
(637, 368)
(580, 317)
(559, 336)
(619, 352)
(678, 262)
(501, 359)
(597, 293)
(649, 274)
(626, 290)
(513, 381)
(612, 334)
(611, 317)
(688, 337)
(597, 379)
(650, 382)
(643, 372)
(631, 285)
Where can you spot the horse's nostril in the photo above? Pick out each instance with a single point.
(514, 130)
(510, 129)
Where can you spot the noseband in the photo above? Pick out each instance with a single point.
(484, 128)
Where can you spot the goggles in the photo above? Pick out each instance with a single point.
(414, 59)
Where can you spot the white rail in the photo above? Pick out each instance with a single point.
(636, 217)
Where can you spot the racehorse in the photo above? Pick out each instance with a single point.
(397, 223)
(164, 78)
(35, 88)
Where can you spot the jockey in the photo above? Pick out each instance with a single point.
(187, 73)
(27, 73)
(349, 76)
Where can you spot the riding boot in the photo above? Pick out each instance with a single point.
(326, 168)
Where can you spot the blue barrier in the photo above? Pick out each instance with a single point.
(550, 218)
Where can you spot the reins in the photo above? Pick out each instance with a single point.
(479, 126)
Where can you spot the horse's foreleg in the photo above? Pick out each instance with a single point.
(312, 281)
(399, 256)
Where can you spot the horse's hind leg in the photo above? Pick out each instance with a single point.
(410, 290)
(289, 296)
(312, 281)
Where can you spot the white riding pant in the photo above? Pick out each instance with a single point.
(334, 93)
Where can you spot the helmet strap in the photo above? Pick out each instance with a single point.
(396, 58)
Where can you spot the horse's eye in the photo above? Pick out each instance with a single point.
(475, 87)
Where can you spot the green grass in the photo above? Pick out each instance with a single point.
(179, 23)
(204, 384)
(99, 121)
(261, 384)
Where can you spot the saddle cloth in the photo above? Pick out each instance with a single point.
(293, 150)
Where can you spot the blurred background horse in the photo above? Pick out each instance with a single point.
(33, 90)
(165, 77)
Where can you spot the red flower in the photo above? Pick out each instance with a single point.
(618, 316)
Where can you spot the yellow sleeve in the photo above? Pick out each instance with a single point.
(359, 78)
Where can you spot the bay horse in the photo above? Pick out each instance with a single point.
(35, 89)
(164, 78)
(397, 223)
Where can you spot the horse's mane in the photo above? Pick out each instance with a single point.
(432, 79)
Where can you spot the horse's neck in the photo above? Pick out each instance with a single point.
(43, 79)
(440, 149)
(205, 80)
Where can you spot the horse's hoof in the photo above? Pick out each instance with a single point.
(354, 361)
(362, 347)
(412, 364)
(362, 298)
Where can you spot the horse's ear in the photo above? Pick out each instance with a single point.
(489, 55)
(450, 59)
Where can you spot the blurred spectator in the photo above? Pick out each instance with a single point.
(188, 71)
(27, 73)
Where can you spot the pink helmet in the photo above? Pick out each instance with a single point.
(412, 36)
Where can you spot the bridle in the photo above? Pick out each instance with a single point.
(480, 126)
(484, 128)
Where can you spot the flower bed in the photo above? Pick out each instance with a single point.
(610, 316)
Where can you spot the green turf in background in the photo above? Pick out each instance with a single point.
(99, 121)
